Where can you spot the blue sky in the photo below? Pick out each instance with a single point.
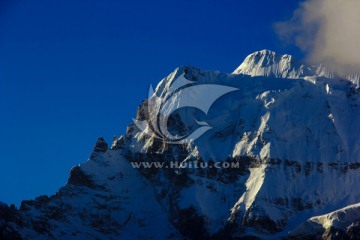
(72, 71)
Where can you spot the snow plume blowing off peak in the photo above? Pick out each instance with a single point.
(328, 31)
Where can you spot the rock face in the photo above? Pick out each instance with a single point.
(279, 151)
(7, 215)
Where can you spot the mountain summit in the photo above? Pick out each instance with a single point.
(267, 63)
(270, 64)
(280, 156)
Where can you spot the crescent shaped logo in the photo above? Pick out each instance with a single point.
(182, 93)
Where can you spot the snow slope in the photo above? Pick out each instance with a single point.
(342, 224)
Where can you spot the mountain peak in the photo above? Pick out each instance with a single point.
(267, 63)
(264, 52)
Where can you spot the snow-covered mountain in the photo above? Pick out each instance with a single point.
(291, 130)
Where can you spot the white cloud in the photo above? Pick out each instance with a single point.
(327, 30)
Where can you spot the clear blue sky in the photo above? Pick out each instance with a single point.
(72, 71)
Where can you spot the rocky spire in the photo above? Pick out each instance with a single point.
(100, 147)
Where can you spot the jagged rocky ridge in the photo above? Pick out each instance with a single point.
(292, 130)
